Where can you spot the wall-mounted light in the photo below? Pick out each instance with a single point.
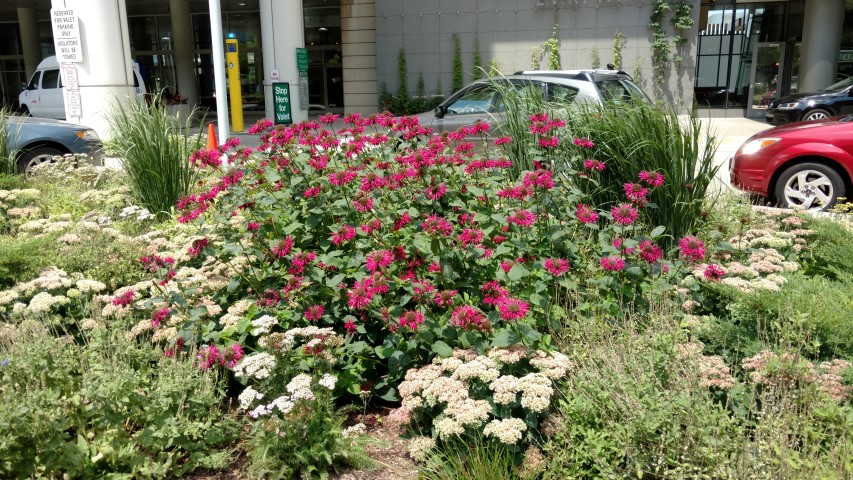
(231, 35)
(323, 29)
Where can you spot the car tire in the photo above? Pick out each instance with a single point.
(812, 186)
(24, 111)
(816, 114)
(35, 156)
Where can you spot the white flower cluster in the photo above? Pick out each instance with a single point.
(235, 313)
(419, 448)
(139, 213)
(43, 302)
(300, 387)
(444, 388)
(355, 430)
(90, 286)
(328, 381)
(257, 366)
(291, 335)
(248, 396)
(508, 430)
(283, 404)
(264, 324)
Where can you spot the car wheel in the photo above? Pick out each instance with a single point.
(24, 111)
(816, 114)
(36, 156)
(812, 186)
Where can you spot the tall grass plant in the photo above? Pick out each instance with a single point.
(8, 153)
(631, 138)
(154, 147)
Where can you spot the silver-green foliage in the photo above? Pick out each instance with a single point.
(154, 147)
(8, 154)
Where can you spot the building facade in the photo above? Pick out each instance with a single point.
(724, 57)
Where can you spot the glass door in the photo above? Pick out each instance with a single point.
(764, 81)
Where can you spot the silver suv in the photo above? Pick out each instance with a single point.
(482, 101)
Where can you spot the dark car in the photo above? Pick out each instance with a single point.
(482, 101)
(37, 140)
(836, 99)
(805, 164)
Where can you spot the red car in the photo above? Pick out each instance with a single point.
(807, 164)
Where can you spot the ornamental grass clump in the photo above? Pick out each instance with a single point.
(153, 147)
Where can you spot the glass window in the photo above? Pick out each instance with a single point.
(51, 79)
(617, 91)
(561, 93)
(477, 100)
(34, 82)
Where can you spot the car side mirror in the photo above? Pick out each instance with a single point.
(23, 86)
(440, 111)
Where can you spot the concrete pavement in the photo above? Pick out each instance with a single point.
(730, 134)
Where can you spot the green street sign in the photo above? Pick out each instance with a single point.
(302, 61)
(281, 103)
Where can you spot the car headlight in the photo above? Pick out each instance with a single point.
(788, 106)
(88, 135)
(755, 145)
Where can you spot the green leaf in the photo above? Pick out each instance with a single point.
(658, 231)
(505, 338)
(517, 272)
(335, 281)
(442, 349)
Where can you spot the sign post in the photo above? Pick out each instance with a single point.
(233, 58)
(302, 66)
(281, 103)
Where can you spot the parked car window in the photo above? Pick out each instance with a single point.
(839, 86)
(34, 82)
(618, 91)
(476, 100)
(51, 79)
(561, 94)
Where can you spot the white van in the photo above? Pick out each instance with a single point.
(42, 97)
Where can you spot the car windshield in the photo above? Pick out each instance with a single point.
(619, 90)
(839, 86)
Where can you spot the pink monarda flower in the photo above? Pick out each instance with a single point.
(371, 181)
(412, 319)
(378, 260)
(624, 214)
(159, 317)
(507, 265)
(445, 298)
(402, 221)
(343, 235)
(613, 264)
(125, 298)
(435, 225)
(548, 141)
(269, 298)
(512, 309)
(493, 293)
(593, 164)
(342, 178)
(692, 249)
(714, 272)
(350, 327)
(502, 140)
(636, 192)
(470, 318)
(314, 312)
(650, 252)
(197, 246)
(470, 236)
(652, 179)
(434, 192)
(232, 355)
(522, 218)
(586, 214)
(371, 226)
(208, 356)
(283, 248)
(312, 191)
(584, 142)
(542, 179)
(435, 267)
(253, 226)
(360, 295)
(556, 266)
(363, 203)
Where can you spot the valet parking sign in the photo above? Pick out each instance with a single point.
(66, 35)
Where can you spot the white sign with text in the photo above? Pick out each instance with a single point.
(66, 35)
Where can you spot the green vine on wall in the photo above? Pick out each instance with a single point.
(478, 67)
(494, 68)
(619, 40)
(594, 58)
(402, 70)
(681, 22)
(661, 47)
(551, 47)
(458, 79)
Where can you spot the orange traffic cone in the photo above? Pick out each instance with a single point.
(212, 144)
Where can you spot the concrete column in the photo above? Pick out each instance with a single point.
(105, 75)
(282, 32)
(822, 24)
(30, 43)
(358, 28)
(182, 41)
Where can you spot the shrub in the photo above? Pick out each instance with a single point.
(106, 406)
(154, 153)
